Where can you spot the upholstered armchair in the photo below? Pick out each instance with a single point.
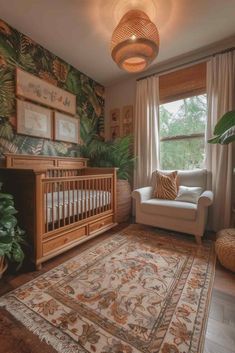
(180, 216)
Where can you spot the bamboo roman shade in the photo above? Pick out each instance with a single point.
(183, 83)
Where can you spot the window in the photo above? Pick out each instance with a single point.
(182, 133)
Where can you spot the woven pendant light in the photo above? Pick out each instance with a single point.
(135, 42)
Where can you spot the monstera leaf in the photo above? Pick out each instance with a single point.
(91, 97)
(72, 83)
(225, 129)
(6, 131)
(6, 49)
(8, 146)
(88, 129)
(7, 96)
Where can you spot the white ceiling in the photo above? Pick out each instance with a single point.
(79, 31)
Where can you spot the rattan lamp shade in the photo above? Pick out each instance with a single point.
(135, 42)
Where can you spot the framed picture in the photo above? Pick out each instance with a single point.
(33, 88)
(114, 117)
(115, 132)
(66, 128)
(33, 120)
(127, 120)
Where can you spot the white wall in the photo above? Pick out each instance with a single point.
(117, 96)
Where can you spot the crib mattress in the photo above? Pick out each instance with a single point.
(73, 202)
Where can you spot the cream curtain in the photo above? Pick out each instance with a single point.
(146, 130)
(221, 96)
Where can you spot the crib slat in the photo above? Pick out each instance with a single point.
(106, 187)
(68, 207)
(46, 207)
(52, 199)
(85, 200)
(77, 187)
(99, 196)
(93, 195)
(102, 195)
(63, 204)
(89, 198)
(73, 186)
(58, 203)
(82, 199)
(109, 194)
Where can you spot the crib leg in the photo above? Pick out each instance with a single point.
(38, 267)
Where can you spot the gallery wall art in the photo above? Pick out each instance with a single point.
(34, 120)
(18, 50)
(66, 128)
(115, 123)
(33, 88)
(121, 122)
(127, 120)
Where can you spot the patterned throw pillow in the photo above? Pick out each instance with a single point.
(166, 186)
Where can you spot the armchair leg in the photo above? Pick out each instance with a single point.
(198, 239)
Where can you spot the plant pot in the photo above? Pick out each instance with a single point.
(123, 201)
(3, 265)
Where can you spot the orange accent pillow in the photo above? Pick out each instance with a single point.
(166, 186)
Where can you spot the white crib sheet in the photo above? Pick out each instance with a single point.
(83, 200)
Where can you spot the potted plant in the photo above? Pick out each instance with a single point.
(11, 236)
(225, 129)
(117, 154)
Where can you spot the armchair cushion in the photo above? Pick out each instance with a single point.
(170, 208)
(189, 194)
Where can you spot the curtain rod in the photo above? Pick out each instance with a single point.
(187, 63)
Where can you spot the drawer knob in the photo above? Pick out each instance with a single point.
(65, 240)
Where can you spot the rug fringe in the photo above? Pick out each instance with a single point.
(14, 308)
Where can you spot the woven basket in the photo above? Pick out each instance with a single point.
(3, 265)
(225, 248)
(123, 201)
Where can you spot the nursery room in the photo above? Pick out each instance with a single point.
(117, 176)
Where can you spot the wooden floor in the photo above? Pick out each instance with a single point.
(220, 336)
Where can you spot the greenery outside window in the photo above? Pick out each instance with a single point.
(182, 133)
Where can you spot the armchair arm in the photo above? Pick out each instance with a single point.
(206, 199)
(142, 194)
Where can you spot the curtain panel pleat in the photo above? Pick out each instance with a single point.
(221, 98)
(146, 130)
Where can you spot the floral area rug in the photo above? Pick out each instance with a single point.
(141, 290)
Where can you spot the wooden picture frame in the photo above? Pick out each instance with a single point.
(66, 128)
(115, 132)
(35, 89)
(127, 120)
(33, 120)
(115, 117)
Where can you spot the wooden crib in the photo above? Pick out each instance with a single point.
(61, 202)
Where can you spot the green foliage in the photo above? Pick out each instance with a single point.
(16, 49)
(115, 153)
(6, 130)
(225, 129)
(188, 118)
(7, 92)
(182, 154)
(11, 236)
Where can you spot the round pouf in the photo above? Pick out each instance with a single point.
(225, 248)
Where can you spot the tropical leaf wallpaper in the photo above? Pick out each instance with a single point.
(16, 49)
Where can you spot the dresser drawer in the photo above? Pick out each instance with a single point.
(102, 223)
(63, 240)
